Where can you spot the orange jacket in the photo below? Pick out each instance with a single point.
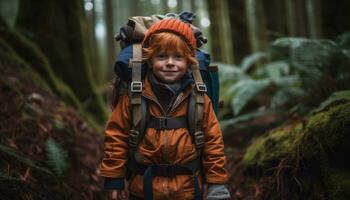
(172, 146)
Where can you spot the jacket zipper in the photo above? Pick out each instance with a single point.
(165, 141)
(154, 100)
(178, 101)
(180, 98)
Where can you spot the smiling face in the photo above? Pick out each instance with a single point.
(169, 67)
(168, 56)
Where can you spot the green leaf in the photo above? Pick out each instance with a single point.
(251, 59)
(287, 81)
(284, 95)
(230, 73)
(336, 97)
(343, 40)
(309, 53)
(246, 91)
(290, 42)
(57, 157)
(274, 69)
(228, 124)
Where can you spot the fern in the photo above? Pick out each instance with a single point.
(252, 59)
(282, 96)
(57, 157)
(228, 124)
(246, 92)
(301, 72)
(10, 152)
(274, 69)
(339, 96)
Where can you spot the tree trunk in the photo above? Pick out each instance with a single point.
(60, 30)
(300, 18)
(256, 25)
(240, 41)
(220, 31)
(274, 11)
(95, 60)
(291, 18)
(314, 18)
(110, 40)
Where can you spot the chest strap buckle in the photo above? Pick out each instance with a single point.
(160, 123)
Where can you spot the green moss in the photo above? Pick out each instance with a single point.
(29, 52)
(315, 152)
(340, 184)
(20, 52)
(266, 151)
(9, 58)
(64, 41)
(323, 132)
(327, 131)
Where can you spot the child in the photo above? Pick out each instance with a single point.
(161, 167)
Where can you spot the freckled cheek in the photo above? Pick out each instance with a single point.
(183, 69)
(157, 67)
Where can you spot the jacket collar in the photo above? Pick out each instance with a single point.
(150, 85)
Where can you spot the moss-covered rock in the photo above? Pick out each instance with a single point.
(308, 156)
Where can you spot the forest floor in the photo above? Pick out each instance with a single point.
(29, 116)
(241, 186)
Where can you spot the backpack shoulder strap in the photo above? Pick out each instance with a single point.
(195, 110)
(135, 95)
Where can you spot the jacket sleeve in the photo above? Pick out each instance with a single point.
(116, 141)
(213, 152)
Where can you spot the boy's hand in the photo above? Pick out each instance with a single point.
(117, 194)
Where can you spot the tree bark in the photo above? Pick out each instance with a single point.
(314, 18)
(238, 20)
(110, 40)
(256, 25)
(220, 31)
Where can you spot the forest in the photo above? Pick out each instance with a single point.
(284, 98)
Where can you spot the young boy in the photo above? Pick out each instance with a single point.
(165, 165)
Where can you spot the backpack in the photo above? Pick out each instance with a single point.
(130, 72)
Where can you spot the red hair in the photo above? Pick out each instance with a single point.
(168, 42)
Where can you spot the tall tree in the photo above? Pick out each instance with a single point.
(300, 18)
(314, 18)
(256, 24)
(239, 29)
(220, 31)
(60, 30)
(95, 59)
(110, 38)
(291, 17)
(275, 13)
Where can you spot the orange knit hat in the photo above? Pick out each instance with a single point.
(175, 26)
